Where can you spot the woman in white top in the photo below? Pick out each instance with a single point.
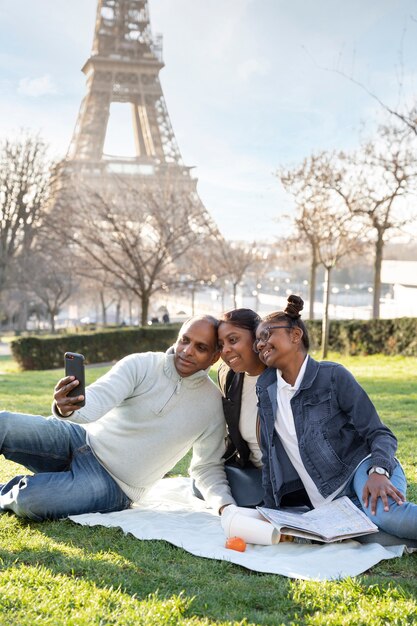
(238, 376)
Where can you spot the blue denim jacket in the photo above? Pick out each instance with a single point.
(337, 426)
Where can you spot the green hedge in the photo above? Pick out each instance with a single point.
(386, 336)
(40, 353)
(392, 336)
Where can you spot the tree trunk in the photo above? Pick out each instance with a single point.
(118, 309)
(192, 301)
(325, 322)
(312, 285)
(144, 301)
(22, 321)
(223, 298)
(234, 295)
(52, 318)
(379, 247)
(103, 309)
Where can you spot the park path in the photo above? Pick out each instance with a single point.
(4, 348)
(4, 351)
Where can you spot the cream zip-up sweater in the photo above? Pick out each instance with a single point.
(141, 418)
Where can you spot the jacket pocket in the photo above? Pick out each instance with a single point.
(317, 407)
(318, 444)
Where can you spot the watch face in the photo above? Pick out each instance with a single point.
(379, 470)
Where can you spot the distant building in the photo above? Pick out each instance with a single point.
(402, 276)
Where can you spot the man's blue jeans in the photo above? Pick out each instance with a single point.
(400, 520)
(67, 480)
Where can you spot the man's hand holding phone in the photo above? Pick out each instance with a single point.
(65, 404)
(69, 392)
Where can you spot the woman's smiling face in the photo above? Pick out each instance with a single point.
(236, 345)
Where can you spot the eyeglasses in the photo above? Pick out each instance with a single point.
(264, 335)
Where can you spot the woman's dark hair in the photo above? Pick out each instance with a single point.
(292, 317)
(242, 318)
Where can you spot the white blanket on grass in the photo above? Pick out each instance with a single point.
(170, 512)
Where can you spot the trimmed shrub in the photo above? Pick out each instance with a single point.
(386, 336)
(40, 353)
(405, 336)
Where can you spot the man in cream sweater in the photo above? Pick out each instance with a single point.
(138, 421)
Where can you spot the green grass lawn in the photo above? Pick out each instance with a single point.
(61, 573)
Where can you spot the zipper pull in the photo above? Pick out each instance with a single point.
(178, 387)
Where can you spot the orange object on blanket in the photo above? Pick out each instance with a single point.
(236, 543)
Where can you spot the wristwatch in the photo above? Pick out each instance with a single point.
(378, 470)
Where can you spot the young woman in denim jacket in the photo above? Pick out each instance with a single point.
(320, 430)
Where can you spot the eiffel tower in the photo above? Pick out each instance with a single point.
(95, 193)
(124, 67)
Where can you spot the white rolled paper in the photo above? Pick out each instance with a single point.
(251, 529)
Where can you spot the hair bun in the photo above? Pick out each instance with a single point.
(295, 304)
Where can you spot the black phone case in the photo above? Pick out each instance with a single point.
(74, 366)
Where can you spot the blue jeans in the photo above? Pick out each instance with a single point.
(67, 480)
(400, 520)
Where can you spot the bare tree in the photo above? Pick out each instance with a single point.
(196, 271)
(304, 183)
(339, 237)
(98, 284)
(374, 185)
(107, 298)
(24, 186)
(234, 260)
(405, 115)
(11, 303)
(47, 276)
(135, 236)
(322, 221)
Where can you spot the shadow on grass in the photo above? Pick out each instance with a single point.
(108, 558)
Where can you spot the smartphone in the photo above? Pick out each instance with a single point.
(74, 366)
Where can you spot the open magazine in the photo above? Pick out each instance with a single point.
(336, 520)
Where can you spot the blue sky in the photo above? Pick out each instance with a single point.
(249, 84)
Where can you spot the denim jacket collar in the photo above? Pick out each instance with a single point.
(268, 378)
(310, 374)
